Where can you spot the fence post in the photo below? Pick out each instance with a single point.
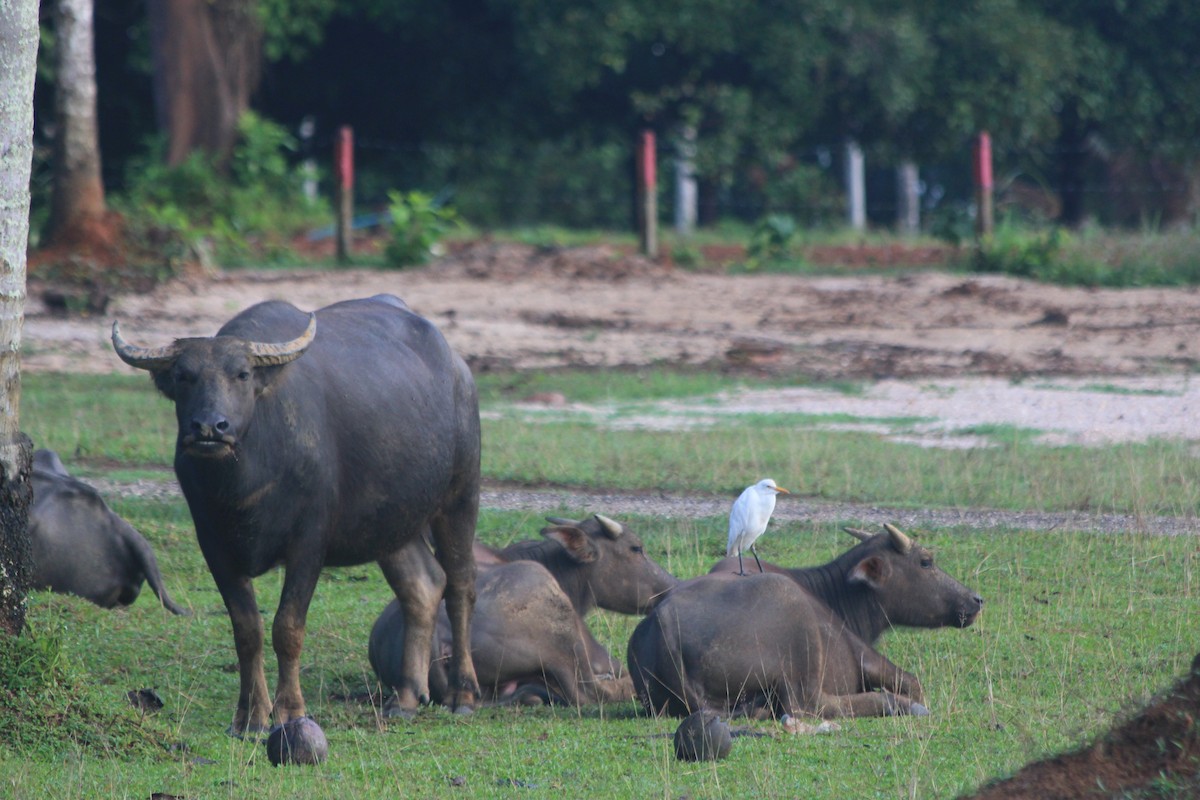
(343, 170)
(685, 182)
(983, 185)
(648, 195)
(908, 196)
(856, 190)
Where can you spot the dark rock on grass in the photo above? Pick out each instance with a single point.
(702, 736)
(297, 741)
(145, 700)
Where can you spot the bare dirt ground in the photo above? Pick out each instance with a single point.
(511, 306)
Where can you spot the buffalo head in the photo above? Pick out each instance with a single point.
(214, 382)
(907, 585)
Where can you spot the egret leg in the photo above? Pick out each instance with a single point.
(756, 561)
(740, 570)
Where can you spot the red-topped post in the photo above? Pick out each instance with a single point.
(983, 184)
(343, 174)
(648, 195)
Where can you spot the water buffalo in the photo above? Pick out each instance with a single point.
(327, 439)
(598, 564)
(795, 641)
(82, 547)
(528, 637)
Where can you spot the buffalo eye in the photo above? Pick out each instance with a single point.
(926, 562)
(637, 548)
(244, 375)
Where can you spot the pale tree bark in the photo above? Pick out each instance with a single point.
(77, 194)
(207, 55)
(18, 61)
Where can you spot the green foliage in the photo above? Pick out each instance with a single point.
(41, 712)
(1054, 256)
(419, 223)
(106, 418)
(197, 209)
(771, 242)
(1015, 252)
(30, 663)
(580, 181)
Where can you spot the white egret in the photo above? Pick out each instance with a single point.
(749, 517)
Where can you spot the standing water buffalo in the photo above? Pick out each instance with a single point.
(333, 438)
(81, 547)
(796, 641)
(528, 637)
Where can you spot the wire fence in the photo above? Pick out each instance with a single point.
(592, 184)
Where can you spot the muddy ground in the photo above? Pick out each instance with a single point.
(507, 306)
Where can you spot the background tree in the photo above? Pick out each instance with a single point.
(18, 62)
(207, 58)
(77, 194)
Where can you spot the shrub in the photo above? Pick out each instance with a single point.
(252, 209)
(419, 223)
(771, 241)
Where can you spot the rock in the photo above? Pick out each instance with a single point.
(297, 741)
(703, 736)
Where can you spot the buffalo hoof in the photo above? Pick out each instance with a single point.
(297, 741)
(702, 737)
(392, 710)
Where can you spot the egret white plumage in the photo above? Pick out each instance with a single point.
(749, 517)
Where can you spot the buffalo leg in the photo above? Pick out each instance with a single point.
(454, 540)
(253, 707)
(418, 582)
(287, 636)
(880, 673)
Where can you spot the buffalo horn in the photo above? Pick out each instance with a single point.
(612, 526)
(858, 533)
(273, 354)
(899, 539)
(561, 521)
(148, 358)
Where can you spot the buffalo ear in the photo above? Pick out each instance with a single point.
(164, 381)
(579, 545)
(872, 571)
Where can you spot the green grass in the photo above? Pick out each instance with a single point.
(118, 425)
(1077, 629)
(1157, 477)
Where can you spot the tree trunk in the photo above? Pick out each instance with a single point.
(78, 192)
(206, 65)
(1072, 159)
(18, 61)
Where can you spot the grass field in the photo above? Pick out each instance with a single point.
(1078, 628)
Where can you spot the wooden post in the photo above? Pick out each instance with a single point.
(908, 198)
(856, 189)
(983, 185)
(343, 171)
(648, 191)
(685, 182)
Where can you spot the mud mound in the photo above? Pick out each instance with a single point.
(1154, 754)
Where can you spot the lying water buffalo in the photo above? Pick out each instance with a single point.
(82, 547)
(333, 438)
(528, 637)
(795, 643)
